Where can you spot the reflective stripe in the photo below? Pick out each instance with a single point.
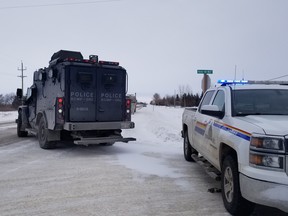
(236, 131)
(200, 128)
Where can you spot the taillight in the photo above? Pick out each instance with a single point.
(60, 105)
(128, 102)
(128, 109)
(60, 110)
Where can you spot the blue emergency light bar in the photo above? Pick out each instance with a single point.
(231, 82)
(242, 82)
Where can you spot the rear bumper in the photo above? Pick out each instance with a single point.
(77, 126)
(264, 193)
(99, 140)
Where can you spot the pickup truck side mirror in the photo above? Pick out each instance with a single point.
(19, 93)
(212, 110)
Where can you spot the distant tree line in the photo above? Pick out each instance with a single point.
(185, 98)
(9, 102)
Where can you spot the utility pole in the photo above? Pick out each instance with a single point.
(22, 76)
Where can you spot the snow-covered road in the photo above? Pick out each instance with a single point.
(145, 177)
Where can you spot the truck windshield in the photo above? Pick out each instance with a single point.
(260, 102)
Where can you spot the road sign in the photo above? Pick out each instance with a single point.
(204, 71)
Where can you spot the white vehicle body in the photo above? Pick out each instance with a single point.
(249, 123)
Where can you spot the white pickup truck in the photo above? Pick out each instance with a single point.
(242, 130)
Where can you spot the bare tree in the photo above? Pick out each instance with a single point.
(1, 99)
(9, 98)
(156, 98)
(6, 102)
(181, 90)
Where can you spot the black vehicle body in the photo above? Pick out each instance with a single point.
(77, 99)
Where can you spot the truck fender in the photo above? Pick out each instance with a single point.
(184, 129)
(226, 150)
(24, 116)
(39, 116)
(53, 135)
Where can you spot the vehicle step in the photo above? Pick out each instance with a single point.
(208, 167)
(99, 140)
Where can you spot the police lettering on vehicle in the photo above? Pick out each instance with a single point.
(81, 96)
(107, 97)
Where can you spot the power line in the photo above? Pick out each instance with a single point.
(278, 77)
(57, 4)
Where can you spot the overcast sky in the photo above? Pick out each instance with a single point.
(161, 43)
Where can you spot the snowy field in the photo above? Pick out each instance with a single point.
(6, 117)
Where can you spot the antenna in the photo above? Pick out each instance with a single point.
(235, 72)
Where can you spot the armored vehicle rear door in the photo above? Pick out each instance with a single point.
(81, 93)
(95, 93)
(111, 88)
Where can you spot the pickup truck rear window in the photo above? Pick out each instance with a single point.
(260, 102)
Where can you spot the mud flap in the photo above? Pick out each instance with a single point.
(53, 135)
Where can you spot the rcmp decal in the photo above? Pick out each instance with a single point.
(235, 131)
(200, 128)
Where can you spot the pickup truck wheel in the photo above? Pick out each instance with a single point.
(19, 125)
(188, 149)
(43, 135)
(234, 203)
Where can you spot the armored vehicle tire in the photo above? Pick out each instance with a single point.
(43, 135)
(188, 149)
(234, 203)
(19, 125)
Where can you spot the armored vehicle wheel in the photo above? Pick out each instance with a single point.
(19, 125)
(43, 135)
(188, 149)
(234, 203)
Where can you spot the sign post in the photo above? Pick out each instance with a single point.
(206, 81)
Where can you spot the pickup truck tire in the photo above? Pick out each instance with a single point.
(19, 125)
(188, 149)
(43, 135)
(234, 203)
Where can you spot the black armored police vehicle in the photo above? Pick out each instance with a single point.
(76, 99)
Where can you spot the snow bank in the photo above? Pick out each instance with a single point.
(7, 117)
(158, 134)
